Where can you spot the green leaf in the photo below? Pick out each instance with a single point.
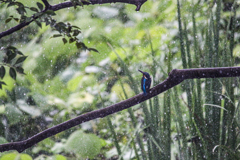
(11, 47)
(80, 45)
(21, 10)
(76, 27)
(20, 70)
(16, 19)
(93, 49)
(50, 12)
(88, 148)
(10, 55)
(21, 59)
(34, 9)
(13, 114)
(3, 140)
(40, 6)
(19, 52)
(39, 24)
(71, 40)
(3, 83)
(2, 72)
(76, 32)
(12, 73)
(56, 35)
(8, 20)
(11, 4)
(64, 40)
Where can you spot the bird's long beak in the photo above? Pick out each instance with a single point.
(140, 71)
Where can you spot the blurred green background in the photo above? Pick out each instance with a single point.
(199, 119)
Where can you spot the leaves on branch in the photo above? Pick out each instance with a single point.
(12, 59)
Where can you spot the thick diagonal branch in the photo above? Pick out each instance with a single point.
(175, 77)
(63, 5)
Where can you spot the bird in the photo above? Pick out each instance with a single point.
(145, 82)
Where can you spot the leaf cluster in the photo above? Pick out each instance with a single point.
(12, 58)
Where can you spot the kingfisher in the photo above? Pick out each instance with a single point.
(146, 82)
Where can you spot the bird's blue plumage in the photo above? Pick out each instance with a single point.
(146, 82)
(144, 86)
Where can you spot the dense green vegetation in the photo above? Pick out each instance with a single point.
(198, 119)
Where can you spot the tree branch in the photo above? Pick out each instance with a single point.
(63, 5)
(176, 76)
(47, 5)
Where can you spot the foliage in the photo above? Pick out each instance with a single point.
(64, 80)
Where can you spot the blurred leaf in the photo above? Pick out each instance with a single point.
(34, 9)
(16, 156)
(59, 157)
(12, 73)
(50, 12)
(8, 20)
(11, 54)
(19, 52)
(3, 140)
(2, 72)
(81, 45)
(31, 110)
(84, 145)
(21, 59)
(3, 83)
(16, 19)
(20, 70)
(38, 23)
(40, 6)
(76, 27)
(11, 47)
(76, 32)
(25, 157)
(11, 4)
(9, 156)
(93, 49)
(64, 40)
(21, 10)
(71, 40)
(56, 35)
(13, 114)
